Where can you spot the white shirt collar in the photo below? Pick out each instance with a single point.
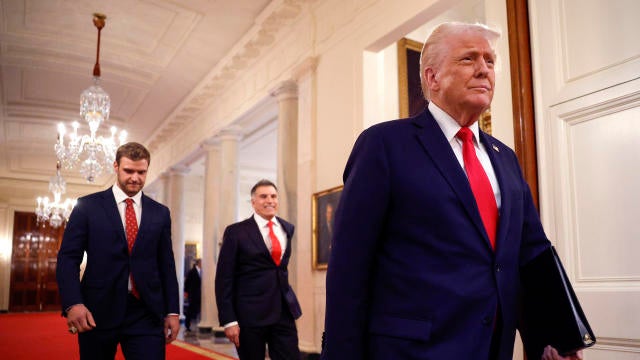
(121, 196)
(448, 125)
(262, 222)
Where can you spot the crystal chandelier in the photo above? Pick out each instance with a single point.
(55, 212)
(98, 152)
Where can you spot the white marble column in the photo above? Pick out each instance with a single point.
(221, 208)
(287, 163)
(286, 93)
(174, 199)
(229, 178)
(210, 235)
(310, 285)
(161, 190)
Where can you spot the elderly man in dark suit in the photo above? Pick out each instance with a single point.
(256, 304)
(129, 291)
(434, 223)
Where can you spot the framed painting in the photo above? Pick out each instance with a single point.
(324, 205)
(411, 98)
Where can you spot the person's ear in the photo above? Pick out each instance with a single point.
(432, 79)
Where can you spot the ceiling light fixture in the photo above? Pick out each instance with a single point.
(98, 152)
(55, 212)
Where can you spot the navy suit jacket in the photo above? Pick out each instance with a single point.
(95, 227)
(250, 287)
(412, 274)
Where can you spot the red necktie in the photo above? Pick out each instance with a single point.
(276, 250)
(131, 229)
(480, 185)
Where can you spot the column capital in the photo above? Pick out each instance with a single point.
(233, 132)
(178, 169)
(305, 68)
(285, 90)
(210, 144)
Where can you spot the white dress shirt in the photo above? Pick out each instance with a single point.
(263, 225)
(450, 128)
(122, 206)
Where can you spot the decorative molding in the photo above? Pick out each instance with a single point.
(614, 105)
(618, 344)
(306, 67)
(233, 132)
(179, 169)
(285, 90)
(275, 17)
(211, 144)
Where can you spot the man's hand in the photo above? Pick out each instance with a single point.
(171, 327)
(233, 334)
(551, 353)
(80, 318)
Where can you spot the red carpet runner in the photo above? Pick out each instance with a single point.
(28, 336)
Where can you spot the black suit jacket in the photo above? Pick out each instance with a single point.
(250, 287)
(95, 226)
(192, 286)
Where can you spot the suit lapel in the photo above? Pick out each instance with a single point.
(439, 150)
(145, 218)
(256, 236)
(258, 240)
(112, 213)
(494, 149)
(288, 234)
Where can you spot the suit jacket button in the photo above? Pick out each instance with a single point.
(498, 268)
(486, 321)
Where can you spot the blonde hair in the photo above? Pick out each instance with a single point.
(436, 46)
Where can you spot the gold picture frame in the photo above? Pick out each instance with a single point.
(323, 208)
(409, 89)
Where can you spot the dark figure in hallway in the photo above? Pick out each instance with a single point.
(192, 293)
(256, 304)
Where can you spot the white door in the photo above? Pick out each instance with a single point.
(586, 56)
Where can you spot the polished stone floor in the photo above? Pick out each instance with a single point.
(207, 341)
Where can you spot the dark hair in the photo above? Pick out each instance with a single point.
(263, 182)
(133, 151)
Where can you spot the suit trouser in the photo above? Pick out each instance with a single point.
(193, 310)
(281, 339)
(141, 336)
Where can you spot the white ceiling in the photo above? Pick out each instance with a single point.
(153, 54)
